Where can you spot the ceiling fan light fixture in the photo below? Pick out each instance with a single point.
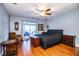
(45, 14)
(44, 11)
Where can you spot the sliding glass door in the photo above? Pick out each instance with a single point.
(29, 27)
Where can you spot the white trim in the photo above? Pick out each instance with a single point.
(1, 53)
(77, 45)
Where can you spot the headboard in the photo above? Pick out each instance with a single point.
(60, 31)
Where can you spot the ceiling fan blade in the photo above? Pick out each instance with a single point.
(47, 10)
(48, 13)
(38, 10)
(15, 3)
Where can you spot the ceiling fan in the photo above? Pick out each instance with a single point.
(44, 12)
(14, 3)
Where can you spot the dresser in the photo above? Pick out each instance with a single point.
(69, 40)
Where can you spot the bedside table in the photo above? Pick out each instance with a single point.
(35, 41)
(69, 40)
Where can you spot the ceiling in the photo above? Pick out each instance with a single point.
(28, 9)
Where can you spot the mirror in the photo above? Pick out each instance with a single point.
(16, 26)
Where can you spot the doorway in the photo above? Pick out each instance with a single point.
(29, 28)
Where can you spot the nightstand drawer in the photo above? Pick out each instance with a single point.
(69, 40)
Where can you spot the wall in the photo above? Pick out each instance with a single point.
(69, 22)
(12, 20)
(19, 19)
(4, 25)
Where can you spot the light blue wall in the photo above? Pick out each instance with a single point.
(69, 22)
(4, 24)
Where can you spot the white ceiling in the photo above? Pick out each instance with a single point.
(28, 9)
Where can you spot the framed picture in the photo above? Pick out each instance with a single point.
(40, 27)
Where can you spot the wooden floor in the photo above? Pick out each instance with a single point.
(25, 49)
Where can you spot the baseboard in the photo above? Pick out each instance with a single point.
(1, 53)
(77, 45)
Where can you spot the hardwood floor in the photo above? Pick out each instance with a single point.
(57, 50)
(25, 49)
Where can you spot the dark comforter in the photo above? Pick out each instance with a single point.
(49, 40)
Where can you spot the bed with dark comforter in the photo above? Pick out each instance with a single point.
(50, 38)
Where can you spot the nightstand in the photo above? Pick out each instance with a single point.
(69, 40)
(35, 41)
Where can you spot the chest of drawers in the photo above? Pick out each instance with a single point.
(69, 40)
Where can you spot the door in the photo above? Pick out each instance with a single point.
(29, 27)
